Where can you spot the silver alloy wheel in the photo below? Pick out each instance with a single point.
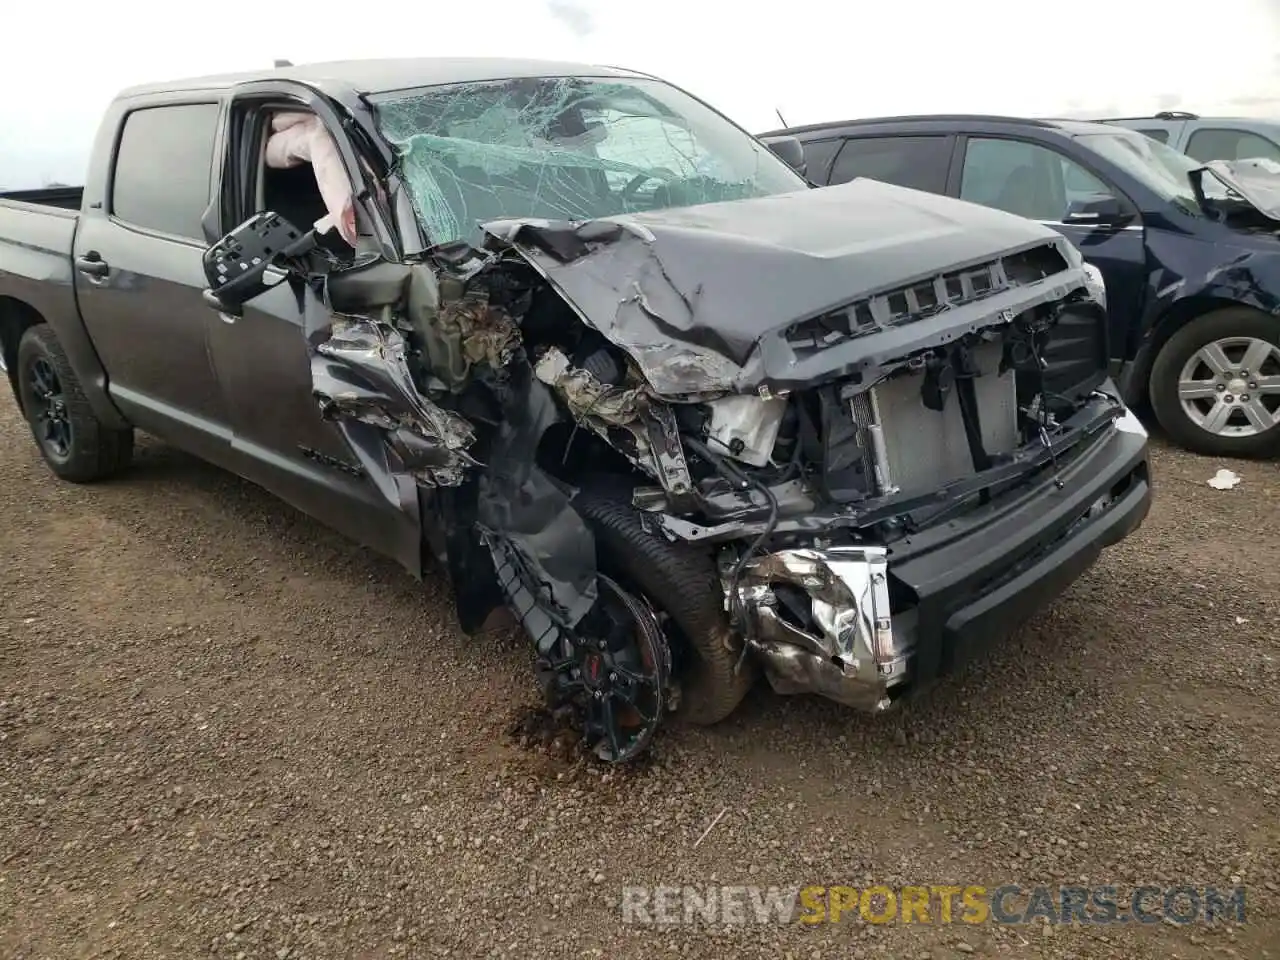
(1231, 387)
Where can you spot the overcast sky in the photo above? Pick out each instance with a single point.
(64, 59)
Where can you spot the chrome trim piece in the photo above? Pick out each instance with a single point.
(846, 649)
(1132, 227)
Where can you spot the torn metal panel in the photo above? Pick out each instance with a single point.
(649, 423)
(701, 297)
(524, 508)
(369, 380)
(363, 378)
(840, 641)
(360, 371)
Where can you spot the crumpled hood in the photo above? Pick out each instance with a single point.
(1257, 181)
(721, 276)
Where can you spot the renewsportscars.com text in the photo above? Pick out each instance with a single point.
(932, 904)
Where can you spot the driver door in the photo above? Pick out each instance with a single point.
(263, 363)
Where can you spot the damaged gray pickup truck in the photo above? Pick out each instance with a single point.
(598, 352)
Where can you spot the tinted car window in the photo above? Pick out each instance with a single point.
(1158, 134)
(1211, 143)
(916, 162)
(161, 177)
(817, 157)
(1025, 178)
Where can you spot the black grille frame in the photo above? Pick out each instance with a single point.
(923, 299)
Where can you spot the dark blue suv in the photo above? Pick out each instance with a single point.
(1191, 261)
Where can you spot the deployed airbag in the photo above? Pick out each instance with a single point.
(299, 138)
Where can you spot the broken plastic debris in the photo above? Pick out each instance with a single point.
(1224, 480)
(1241, 620)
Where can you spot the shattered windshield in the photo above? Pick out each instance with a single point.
(1159, 167)
(567, 148)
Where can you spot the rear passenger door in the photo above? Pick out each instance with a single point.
(916, 161)
(1039, 182)
(139, 259)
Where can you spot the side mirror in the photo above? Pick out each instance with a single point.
(790, 151)
(239, 266)
(1100, 210)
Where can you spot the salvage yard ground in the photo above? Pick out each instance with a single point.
(226, 732)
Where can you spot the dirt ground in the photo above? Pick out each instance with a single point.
(226, 732)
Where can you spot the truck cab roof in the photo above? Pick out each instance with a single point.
(380, 76)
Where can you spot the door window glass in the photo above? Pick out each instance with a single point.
(161, 176)
(1026, 179)
(1211, 143)
(818, 155)
(916, 162)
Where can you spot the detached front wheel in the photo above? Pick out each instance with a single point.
(1215, 385)
(73, 442)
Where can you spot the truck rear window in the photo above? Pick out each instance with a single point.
(161, 177)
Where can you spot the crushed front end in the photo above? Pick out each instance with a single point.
(846, 472)
(836, 435)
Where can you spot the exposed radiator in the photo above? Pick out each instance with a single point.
(926, 448)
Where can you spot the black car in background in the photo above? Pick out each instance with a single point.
(1191, 265)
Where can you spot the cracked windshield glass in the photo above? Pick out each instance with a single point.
(567, 148)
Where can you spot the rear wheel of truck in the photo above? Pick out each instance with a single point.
(75, 444)
(1215, 385)
(681, 583)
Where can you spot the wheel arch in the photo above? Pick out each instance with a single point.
(1174, 318)
(16, 318)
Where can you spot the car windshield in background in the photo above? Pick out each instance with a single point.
(1161, 168)
(567, 148)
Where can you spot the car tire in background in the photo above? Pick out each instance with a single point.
(1215, 385)
(74, 443)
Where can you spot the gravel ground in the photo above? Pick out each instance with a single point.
(225, 732)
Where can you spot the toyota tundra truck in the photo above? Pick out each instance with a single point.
(571, 338)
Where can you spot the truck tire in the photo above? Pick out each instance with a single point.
(1204, 393)
(75, 445)
(680, 582)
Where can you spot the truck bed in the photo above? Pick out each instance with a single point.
(62, 198)
(35, 256)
